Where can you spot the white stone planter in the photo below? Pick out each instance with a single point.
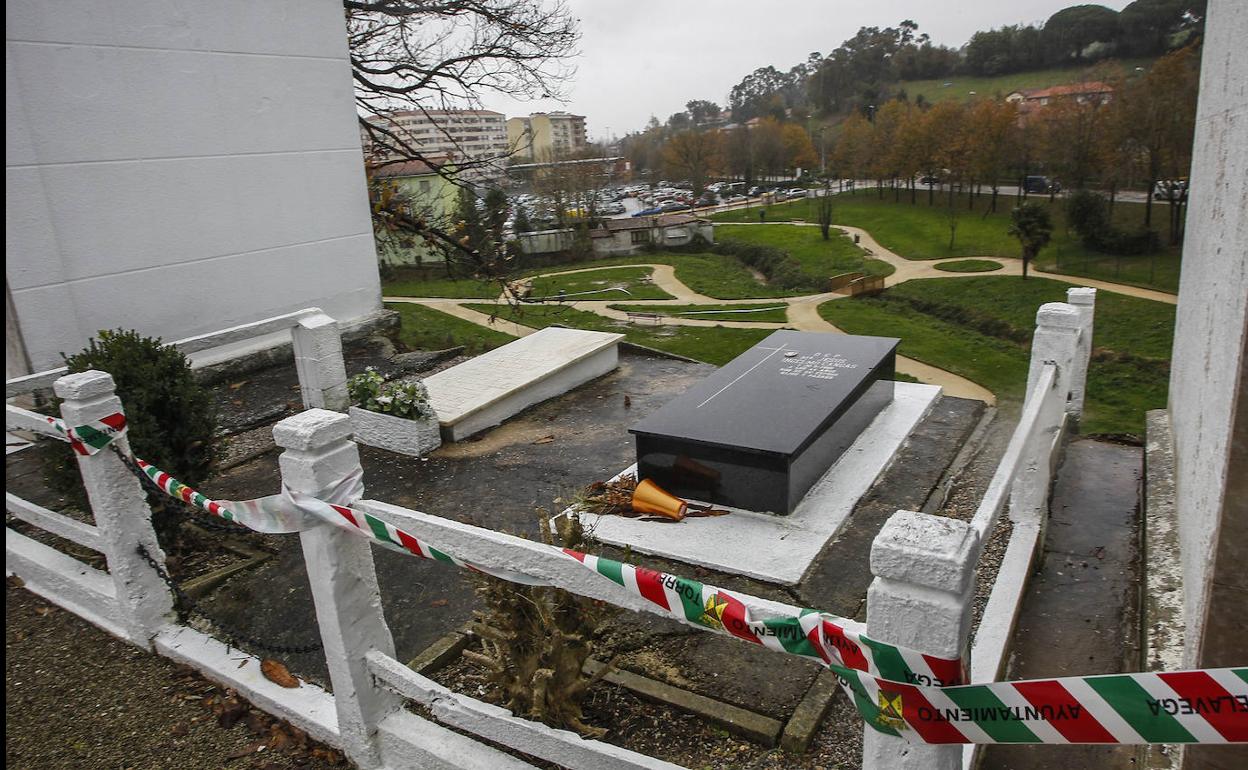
(396, 434)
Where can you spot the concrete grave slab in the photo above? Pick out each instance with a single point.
(779, 549)
(484, 391)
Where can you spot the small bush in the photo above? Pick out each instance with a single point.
(409, 400)
(1088, 214)
(171, 418)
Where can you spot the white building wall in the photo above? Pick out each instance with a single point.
(1213, 305)
(177, 166)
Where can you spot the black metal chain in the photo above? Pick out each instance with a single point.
(186, 606)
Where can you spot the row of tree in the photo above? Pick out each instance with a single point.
(867, 68)
(1141, 135)
(769, 148)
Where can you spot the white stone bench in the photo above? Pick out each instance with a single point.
(492, 387)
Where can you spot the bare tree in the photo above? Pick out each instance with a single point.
(428, 55)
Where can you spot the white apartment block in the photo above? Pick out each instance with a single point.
(544, 136)
(455, 134)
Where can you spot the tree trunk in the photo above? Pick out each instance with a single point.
(1148, 203)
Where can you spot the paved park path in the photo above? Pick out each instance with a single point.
(802, 313)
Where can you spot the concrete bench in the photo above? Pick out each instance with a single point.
(492, 387)
(654, 318)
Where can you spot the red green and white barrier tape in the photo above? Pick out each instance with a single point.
(897, 691)
(92, 437)
(1206, 706)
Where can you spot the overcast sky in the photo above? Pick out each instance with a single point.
(648, 57)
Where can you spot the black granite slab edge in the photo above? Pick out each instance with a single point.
(778, 395)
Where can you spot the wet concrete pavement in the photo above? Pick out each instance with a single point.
(1081, 612)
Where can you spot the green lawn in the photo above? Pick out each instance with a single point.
(635, 280)
(980, 328)
(422, 328)
(714, 275)
(969, 266)
(960, 87)
(920, 231)
(766, 312)
(820, 259)
(465, 288)
(714, 345)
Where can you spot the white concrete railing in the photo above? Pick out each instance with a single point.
(318, 356)
(924, 565)
(921, 597)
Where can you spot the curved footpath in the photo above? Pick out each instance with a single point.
(802, 312)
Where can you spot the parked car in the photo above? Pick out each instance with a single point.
(649, 212)
(797, 192)
(930, 180)
(675, 206)
(706, 200)
(1041, 184)
(1170, 190)
(755, 191)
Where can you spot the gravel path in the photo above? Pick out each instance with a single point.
(79, 698)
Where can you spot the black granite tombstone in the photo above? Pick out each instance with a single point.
(759, 432)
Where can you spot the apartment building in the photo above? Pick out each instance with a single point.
(467, 135)
(544, 136)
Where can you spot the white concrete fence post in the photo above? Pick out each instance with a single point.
(319, 362)
(120, 509)
(1084, 301)
(921, 598)
(1059, 340)
(319, 453)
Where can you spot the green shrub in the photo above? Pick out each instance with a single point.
(409, 400)
(1088, 215)
(170, 417)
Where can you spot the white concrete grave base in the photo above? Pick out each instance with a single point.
(416, 438)
(779, 549)
(484, 391)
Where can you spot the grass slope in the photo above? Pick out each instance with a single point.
(422, 328)
(980, 328)
(714, 345)
(819, 258)
(959, 88)
(764, 312)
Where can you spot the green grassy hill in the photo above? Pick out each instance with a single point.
(960, 86)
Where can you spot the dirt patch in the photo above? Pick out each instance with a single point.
(662, 731)
(77, 697)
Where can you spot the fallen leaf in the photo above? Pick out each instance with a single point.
(438, 603)
(179, 729)
(250, 748)
(230, 711)
(237, 385)
(277, 673)
(43, 610)
(242, 662)
(256, 722)
(545, 440)
(15, 582)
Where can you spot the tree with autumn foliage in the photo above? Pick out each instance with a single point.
(992, 134)
(1157, 113)
(799, 151)
(692, 155)
(852, 147)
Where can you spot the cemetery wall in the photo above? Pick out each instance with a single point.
(1208, 371)
(179, 168)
